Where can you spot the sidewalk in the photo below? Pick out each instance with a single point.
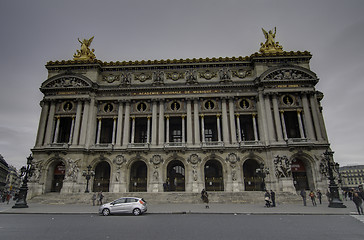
(215, 208)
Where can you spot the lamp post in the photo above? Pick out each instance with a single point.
(262, 172)
(334, 200)
(88, 176)
(27, 171)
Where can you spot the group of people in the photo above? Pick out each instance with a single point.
(97, 197)
(270, 198)
(312, 196)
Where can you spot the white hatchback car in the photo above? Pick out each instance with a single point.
(132, 205)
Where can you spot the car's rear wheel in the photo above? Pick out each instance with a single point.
(106, 212)
(136, 211)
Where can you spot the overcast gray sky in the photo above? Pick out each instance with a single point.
(35, 32)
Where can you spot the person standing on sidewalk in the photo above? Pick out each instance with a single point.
(303, 195)
(267, 199)
(273, 198)
(313, 198)
(319, 196)
(358, 203)
(205, 197)
(93, 198)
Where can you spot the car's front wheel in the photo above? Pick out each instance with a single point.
(106, 212)
(136, 211)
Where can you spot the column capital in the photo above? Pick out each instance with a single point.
(254, 115)
(218, 115)
(281, 111)
(237, 114)
(202, 116)
(183, 116)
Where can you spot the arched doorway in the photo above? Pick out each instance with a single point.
(138, 177)
(252, 182)
(102, 177)
(58, 177)
(175, 176)
(214, 180)
(299, 175)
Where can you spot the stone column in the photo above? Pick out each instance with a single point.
(126, 134)
(120, 124)
(113, 131)
(154, 123)
(269, 118)
(183, 128)
(167, 129)
(218, 128)
(238, 126)
(232, 121)
(42, 123)
(196, 122)
(161, 123)
(76, 131)
(98, 130)
(189, 123)
(132, 129)
(225, 123)
(284, 125)
(148, 129)
(302, 132)
(277, 119)
(307, 117)
(203, 128)
(84, 124)
(315, 115)
(72, 130)
(262, 117)
(50, 122)
(55, 139)
(91, 128)
(256, 138)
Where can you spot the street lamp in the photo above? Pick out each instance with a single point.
(334, 200)
(27, 171)
(88, 176)
(262, 172)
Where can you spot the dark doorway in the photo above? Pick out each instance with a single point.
(299, 175)
(138, 177)
(58, 177)
(102, 177)
(176, 176)
(252, 181)
(214, 180)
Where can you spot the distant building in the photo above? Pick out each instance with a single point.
(4, 169)
(191, 123)
(351, 176)
(13, 179)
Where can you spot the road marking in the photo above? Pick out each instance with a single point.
(359, 217)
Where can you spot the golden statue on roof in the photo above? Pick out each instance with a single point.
(85, 53)
(270, 45)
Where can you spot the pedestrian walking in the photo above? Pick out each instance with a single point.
(313, 198)
(93, 198)
(358, 203)
(205, 197)
(101, 196)
(303, 195)
(273, 198)
(8, 196)
(319, 196)
(267, 199)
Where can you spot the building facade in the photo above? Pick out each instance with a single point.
(4, 170)
(351, 176)
(181, 125)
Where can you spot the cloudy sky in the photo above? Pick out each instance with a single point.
(35, 32)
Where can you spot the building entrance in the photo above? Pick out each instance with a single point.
(58, 177)
(138, 177)
(102, 177)
(299, 175)
(214, 180)
(252, 182)
(176, 176)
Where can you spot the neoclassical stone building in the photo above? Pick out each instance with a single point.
(192, 123)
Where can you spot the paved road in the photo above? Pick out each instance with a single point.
(180, 226)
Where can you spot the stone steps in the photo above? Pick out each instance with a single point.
(167, 197)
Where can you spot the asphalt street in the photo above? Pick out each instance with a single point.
(180, 226)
